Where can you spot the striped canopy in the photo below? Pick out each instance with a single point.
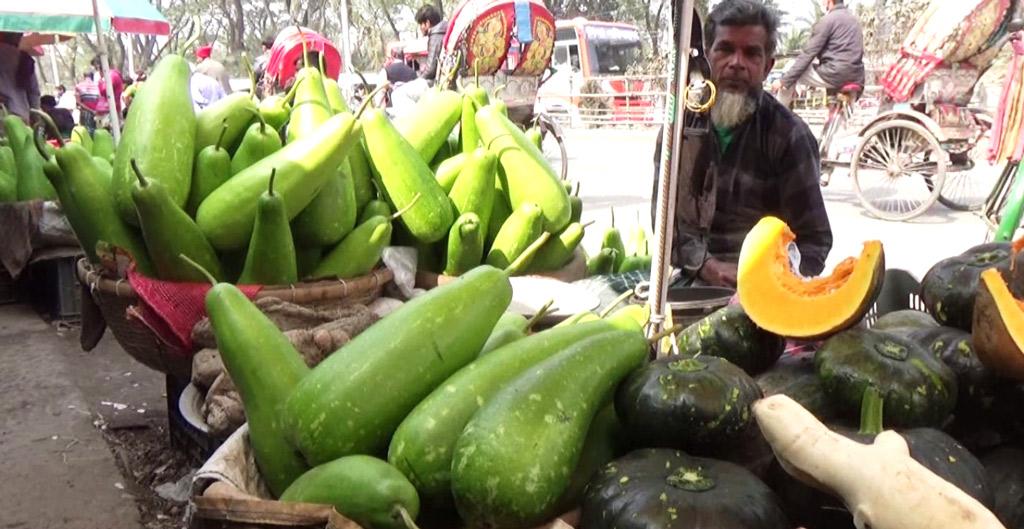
(76, 16)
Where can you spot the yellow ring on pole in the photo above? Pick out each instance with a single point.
(704, 107)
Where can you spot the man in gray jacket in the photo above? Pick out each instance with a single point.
(429, 20)
(838, 43)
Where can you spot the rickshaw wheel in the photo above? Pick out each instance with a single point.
(898, 170)
(553, 146)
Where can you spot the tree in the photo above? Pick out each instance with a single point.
(794, 41)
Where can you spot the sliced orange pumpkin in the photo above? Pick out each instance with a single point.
(779, 300)
(998, 326)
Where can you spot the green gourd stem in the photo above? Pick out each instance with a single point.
(376, 188)
(320, 59)
(613, 217)
(188, 44)
(406, 518)
(528, 253)
(223, 130)
(665, 333)
(496, 138)
(498, 90)
(305, 47)
(290, 96)
(37, 139)
(252, 75)
(138, 173)
(588, 224)
(270, 185)
(476, 71)
(618, 301)
(451, 75)
(871, 407)
(197, 266)
(577, 193)
(49, 124)
(3, 110)
(263, 123)
(458, 84)
(399, 213)
(544, 310)
(369, 99)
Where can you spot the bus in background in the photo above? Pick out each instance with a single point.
(593, 57)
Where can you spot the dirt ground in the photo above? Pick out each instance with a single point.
(84, 436)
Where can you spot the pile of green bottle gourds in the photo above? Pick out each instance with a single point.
(297, 186)
(449, 404)
(21, 163)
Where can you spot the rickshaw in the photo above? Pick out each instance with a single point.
(506, 46)
(287, 52)
(922, 144)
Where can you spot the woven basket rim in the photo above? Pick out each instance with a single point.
(297, 293)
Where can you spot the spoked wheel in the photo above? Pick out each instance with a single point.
(898, 170)
(553, 145)
(970, 177)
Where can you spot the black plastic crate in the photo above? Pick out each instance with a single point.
(54, 288)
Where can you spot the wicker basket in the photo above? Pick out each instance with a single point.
(574, 270)
(116, 298)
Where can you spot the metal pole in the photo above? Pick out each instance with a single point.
(115, 119)
(346, 45)
(53, 61)
(131, 55)
(669, 171)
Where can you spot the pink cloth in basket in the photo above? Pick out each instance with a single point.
(170, 309)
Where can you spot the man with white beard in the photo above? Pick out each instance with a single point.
(757, 159)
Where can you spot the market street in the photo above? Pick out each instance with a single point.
(616, 168)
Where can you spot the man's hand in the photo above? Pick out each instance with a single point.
(719, 273)
(776, 86)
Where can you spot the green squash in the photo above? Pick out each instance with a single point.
(794, 375)
(696, 404)
(949, 286)
(1005, 469)
(730, 334)
(975, 383)
(905, 319)
(657, 488)
(919, 390)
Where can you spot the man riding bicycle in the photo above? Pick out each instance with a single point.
(838, 43)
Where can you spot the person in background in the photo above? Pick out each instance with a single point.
(205, 90)
(132, 89)
(431, 26)
(87, 97)
(61, 117)
(65, 99)
(760, 159)
(837, 41)
(19, 88)
(103, 109)
(212, 67)
(259, 67)
(400, 74)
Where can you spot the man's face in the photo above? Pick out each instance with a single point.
(425, 27)
(739, 58)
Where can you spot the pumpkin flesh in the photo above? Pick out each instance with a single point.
(998, 329)
(780, 301)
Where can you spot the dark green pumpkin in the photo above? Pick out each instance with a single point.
(918, 388)
(795, 376)
(1005, 469)
(933, 449)
(667, 489)
(975, 383)
(695, 404)
(905, 319)
(729, 333)
(949, 286)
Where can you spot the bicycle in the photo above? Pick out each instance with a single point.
(840, 110)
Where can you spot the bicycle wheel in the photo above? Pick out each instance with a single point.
(898, 170)
(553, 147)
